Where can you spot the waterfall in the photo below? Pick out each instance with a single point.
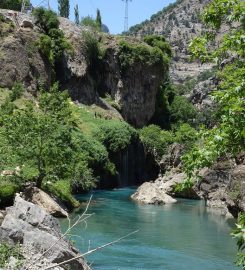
(123, 172)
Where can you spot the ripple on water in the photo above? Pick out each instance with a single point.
(182, 236)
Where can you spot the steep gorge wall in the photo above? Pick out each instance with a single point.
(134, 91)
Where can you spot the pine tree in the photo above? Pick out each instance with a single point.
(64, 8)
(76, 12)
(98, 19)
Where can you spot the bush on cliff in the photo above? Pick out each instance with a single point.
(129, 54)
(52, 42)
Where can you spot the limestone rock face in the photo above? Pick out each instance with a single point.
(36, 230)
(20, 59)
(223, 187)
(150, 193)
(42, 199)
(134, 91)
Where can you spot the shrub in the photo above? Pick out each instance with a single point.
(89, 21)
(186, 135)
(46, 19)
(52, 42)
(62, 189)
(92, 51)
(159, 42)
(7, 192)
(129, 54)
(116, 135)
(156, 140)
(16, 91)
(7, 251)
(182, 110)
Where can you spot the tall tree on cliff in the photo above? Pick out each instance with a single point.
(64, 8)
(76, 13)
(98, 20)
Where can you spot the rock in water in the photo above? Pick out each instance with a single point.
(150, 193)
(29, 225)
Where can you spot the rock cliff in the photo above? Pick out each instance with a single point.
(133, 92)
(29, 225)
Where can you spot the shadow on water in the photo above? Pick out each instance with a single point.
(171, 237)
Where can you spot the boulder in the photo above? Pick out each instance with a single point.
(170, 180)
(223, 186)
(150, 193)
(42, 199)
(36, 231)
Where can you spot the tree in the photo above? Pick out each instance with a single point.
(64, 8)
(228, 136)
(44, 143)
(13, 4)
(76, 13)
(98, 20)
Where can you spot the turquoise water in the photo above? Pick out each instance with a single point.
(182, 236)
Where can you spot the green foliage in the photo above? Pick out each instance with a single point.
(164, 97)
(186, 135)
(89, 21)
(239, 235)
(62, 189)
(228, 136)
(156, 140)
(44, 141)
(46, 19)
(129, 54)
(16, 91)
(159, 42)
(182, 110)
(13, 4)
(7, 251)
(116, 135)
(64, 8)
(76, 15)
(7, 191)
(52, 42)
(92, 51)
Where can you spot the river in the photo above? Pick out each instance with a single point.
(182, 236)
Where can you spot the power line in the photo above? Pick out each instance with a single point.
(126, 15)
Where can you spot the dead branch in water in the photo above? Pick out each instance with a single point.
(80, 219)
(92, 251)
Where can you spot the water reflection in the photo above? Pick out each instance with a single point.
(171, 237)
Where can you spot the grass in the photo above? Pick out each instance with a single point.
(7, 192)
(62, 189)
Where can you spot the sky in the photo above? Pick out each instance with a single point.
(113, 11)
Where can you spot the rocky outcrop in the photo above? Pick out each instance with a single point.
(223, 187)
(164, 188)
(42, 199)
(150, 193)
(134, 91)
(20, 59)
(37, 231)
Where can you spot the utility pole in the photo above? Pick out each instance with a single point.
(126, 15)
